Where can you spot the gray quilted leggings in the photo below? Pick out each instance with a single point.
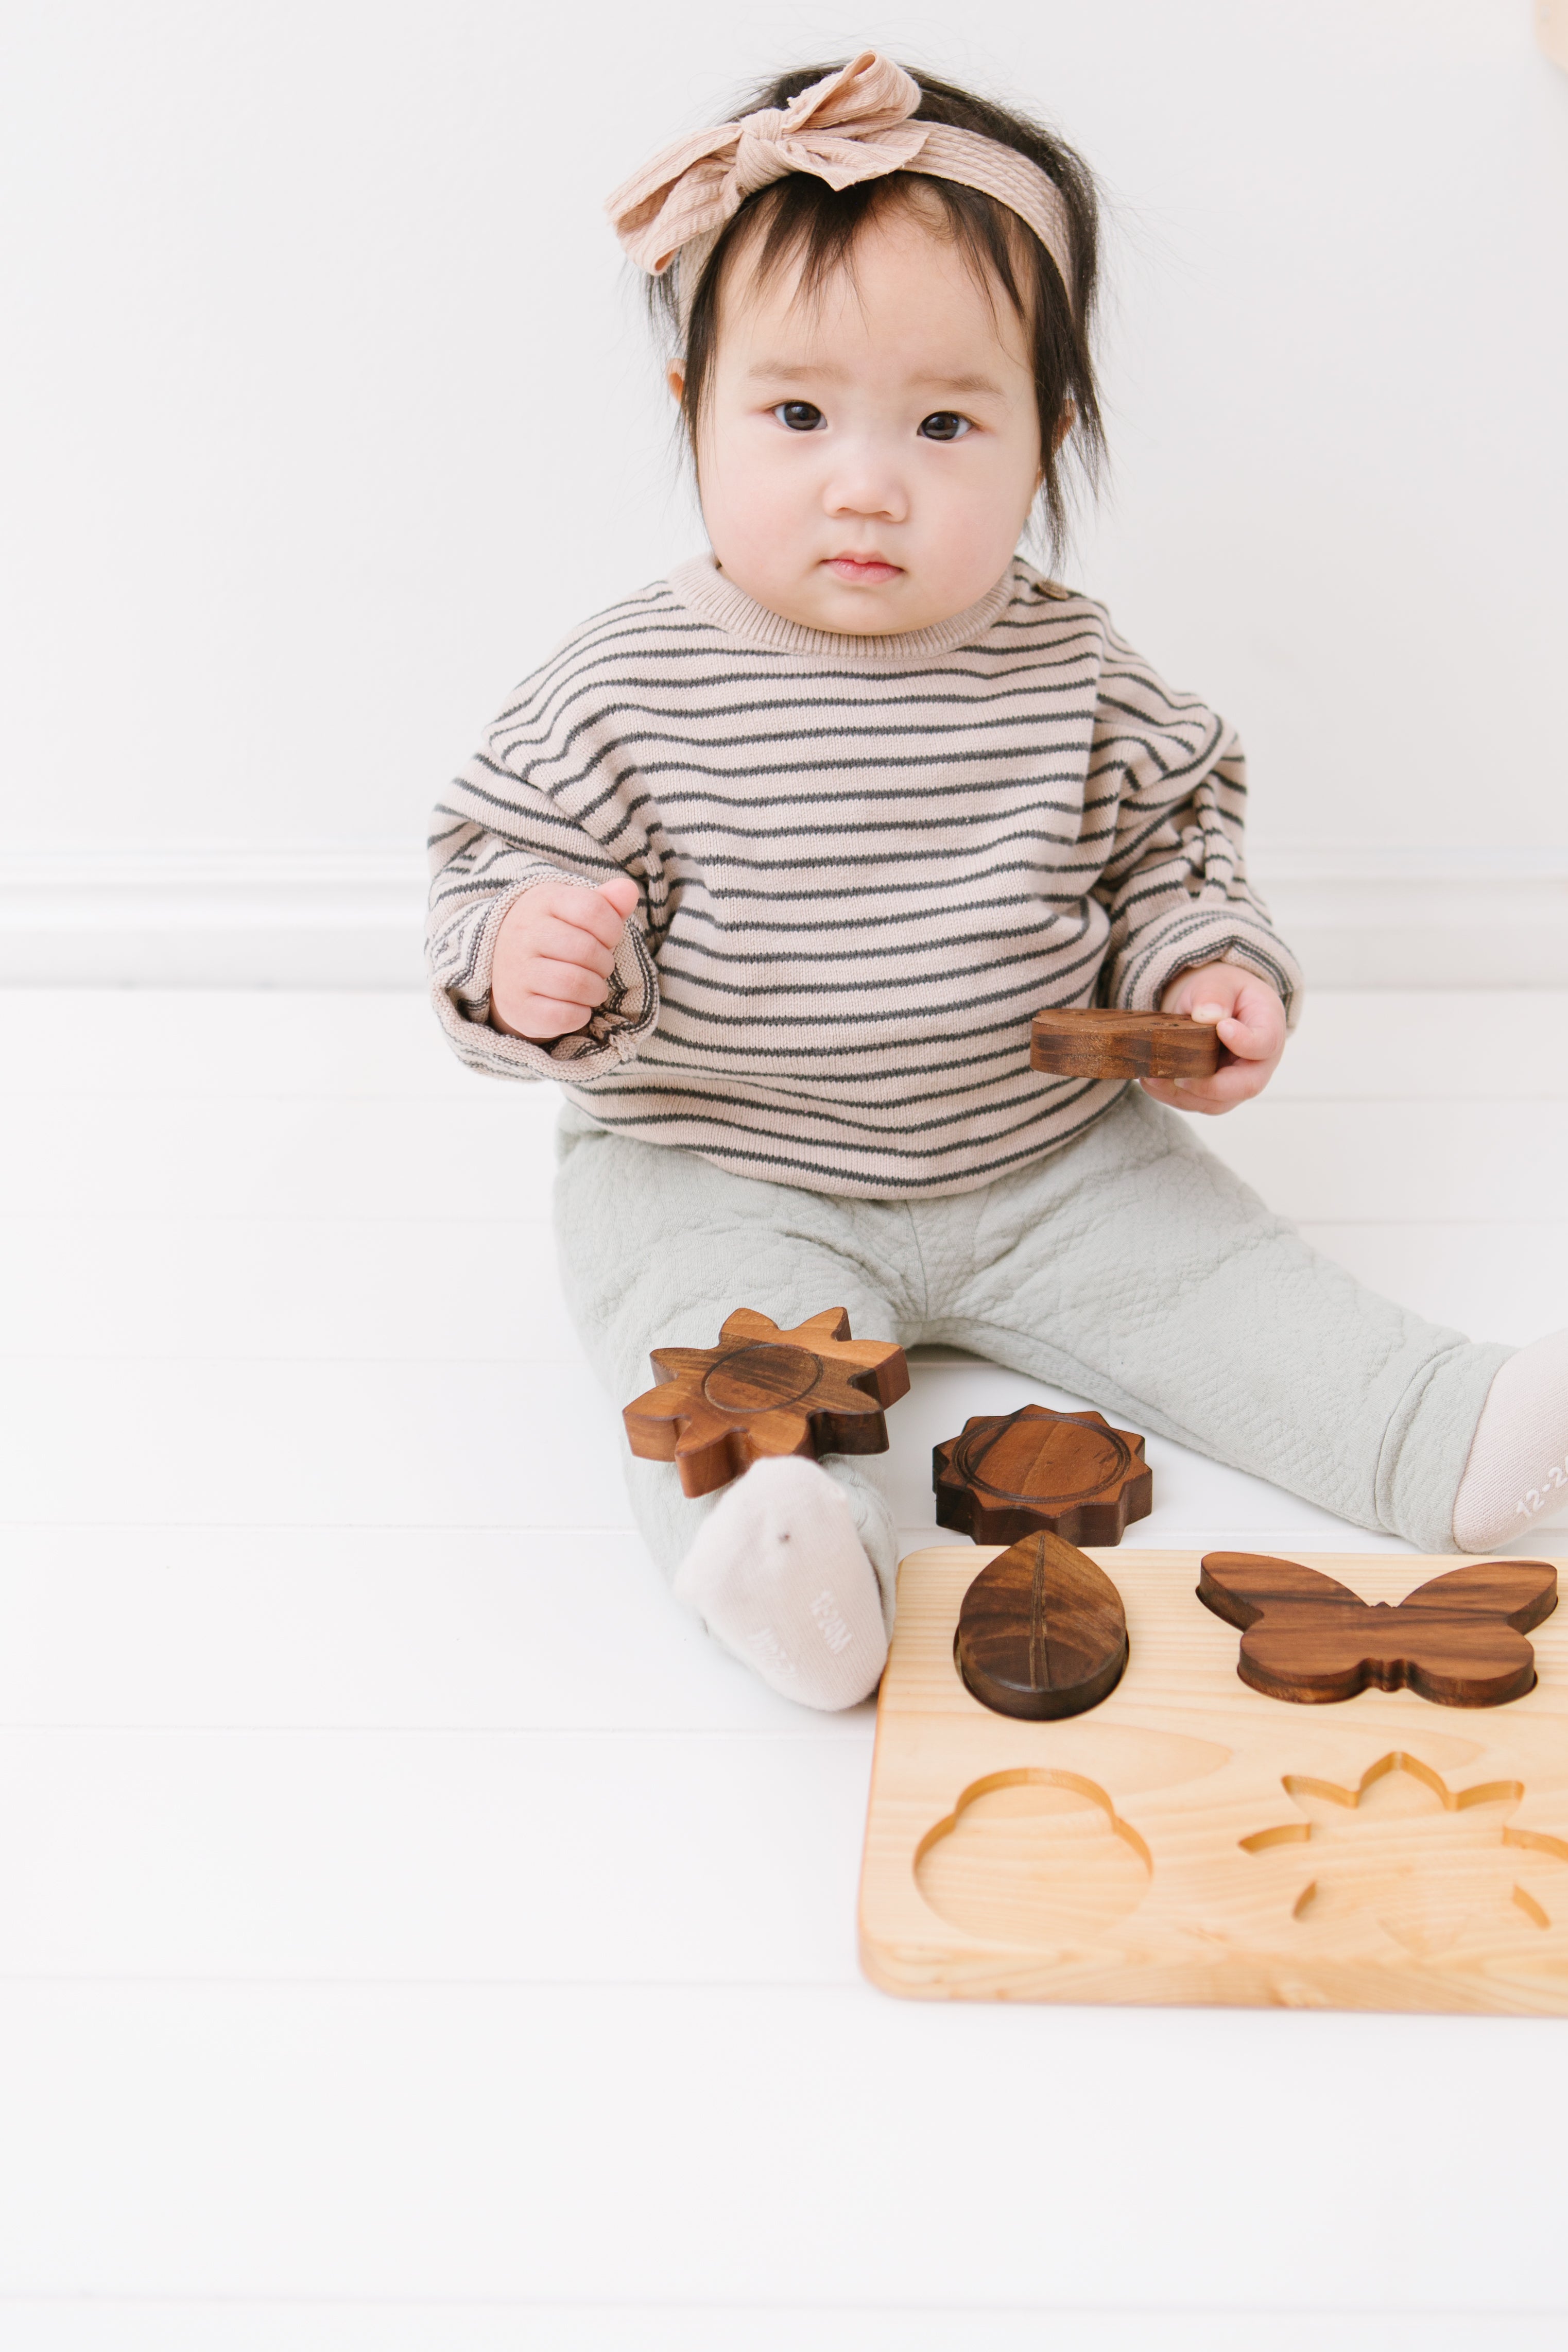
(1130, 1268)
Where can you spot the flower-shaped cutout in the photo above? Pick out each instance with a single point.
(1429, 1863)
(765, 1392)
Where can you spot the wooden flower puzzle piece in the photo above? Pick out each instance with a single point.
(1088, 1042)
(1042, 1632)
(764, 1391)
(1071, 1474)
(1457, 1640)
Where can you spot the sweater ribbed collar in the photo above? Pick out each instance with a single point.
(702, 589)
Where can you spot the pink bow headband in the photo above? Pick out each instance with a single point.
(854, 125)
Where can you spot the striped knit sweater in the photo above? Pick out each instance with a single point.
(865, 861)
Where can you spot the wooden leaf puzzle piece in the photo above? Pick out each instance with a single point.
(763, 1392)
(1042, 1632)
(1071, 1474)
(1457, 1640)
(1090, 1042)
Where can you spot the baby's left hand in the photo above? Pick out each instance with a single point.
(1252, 1021)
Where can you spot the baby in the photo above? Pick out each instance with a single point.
(770, 864)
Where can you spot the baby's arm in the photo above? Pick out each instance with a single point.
(553, 956)
(1188, 933)
(1250, 1019)
(545, 892)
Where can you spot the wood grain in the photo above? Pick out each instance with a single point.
(1006, 1474)
(1190, 1840)
(763, 1393)
(1457, 1640)
(1042, 1633)
(1090, 1042)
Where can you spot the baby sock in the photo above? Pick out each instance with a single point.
(1518, 1465)
(778, 1573)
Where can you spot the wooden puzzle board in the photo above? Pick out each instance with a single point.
(1191, 1840)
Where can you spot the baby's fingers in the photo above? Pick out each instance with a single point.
(601, 913)
(576, 984)
(543, 1019)
(1255, 1026)
(1232, 1085)
(557, 941)
(1252, 1040)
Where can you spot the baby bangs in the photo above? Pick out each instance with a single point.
(799, 221)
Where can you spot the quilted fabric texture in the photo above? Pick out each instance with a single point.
(1130, 1268)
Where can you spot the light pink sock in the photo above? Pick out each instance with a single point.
(780, 1574)
(1517, 1472)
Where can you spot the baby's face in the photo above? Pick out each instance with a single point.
(867, 463)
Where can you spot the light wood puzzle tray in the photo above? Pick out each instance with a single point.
(1192, 1841)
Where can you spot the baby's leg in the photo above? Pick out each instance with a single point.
(1137, 1270)
(792, 1565)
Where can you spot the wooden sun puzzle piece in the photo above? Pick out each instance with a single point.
(1070, 1473)
(1089, 1041)
(1457, 1640)
(1190, 1840)
(763, 1392)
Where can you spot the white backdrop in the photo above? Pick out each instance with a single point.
(328, 406)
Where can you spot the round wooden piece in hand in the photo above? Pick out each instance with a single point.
(1089, 1043)
(1042, 1632)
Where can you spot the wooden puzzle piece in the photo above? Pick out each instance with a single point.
(763, 1392)
(1069, 1474)
(1090, 1042)
(1042, 1632)
(1457, 1640)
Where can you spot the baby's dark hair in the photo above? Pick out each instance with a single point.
(801, 219)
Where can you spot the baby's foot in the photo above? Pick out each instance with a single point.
(778, 1573)
(1517, 1465)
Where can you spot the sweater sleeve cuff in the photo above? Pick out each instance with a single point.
(613, 1035)
(1149, 963)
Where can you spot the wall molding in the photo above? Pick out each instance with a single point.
(349, 918)
(212, 917)
(1410, 918)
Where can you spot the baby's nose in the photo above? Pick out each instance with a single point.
(867, 490)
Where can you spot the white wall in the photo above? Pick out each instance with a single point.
(327, 405)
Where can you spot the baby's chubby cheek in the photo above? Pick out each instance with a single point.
(766, 534)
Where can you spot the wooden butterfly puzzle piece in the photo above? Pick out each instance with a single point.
(1070, 1474)
(1042, 1632)
(1457, 1640)
(1090, 1042)
(764, 1391)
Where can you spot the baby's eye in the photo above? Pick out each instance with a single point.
(800, 415)
(942, 425)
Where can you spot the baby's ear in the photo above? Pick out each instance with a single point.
(676, 377)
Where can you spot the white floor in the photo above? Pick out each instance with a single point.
(414, 1935)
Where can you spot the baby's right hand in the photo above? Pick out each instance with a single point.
(554, 953)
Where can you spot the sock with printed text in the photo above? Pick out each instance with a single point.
(1517, 1471)
(780, 1575)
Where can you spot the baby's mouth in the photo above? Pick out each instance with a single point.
(864, 569)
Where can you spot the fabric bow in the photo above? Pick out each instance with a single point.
(852, 125)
